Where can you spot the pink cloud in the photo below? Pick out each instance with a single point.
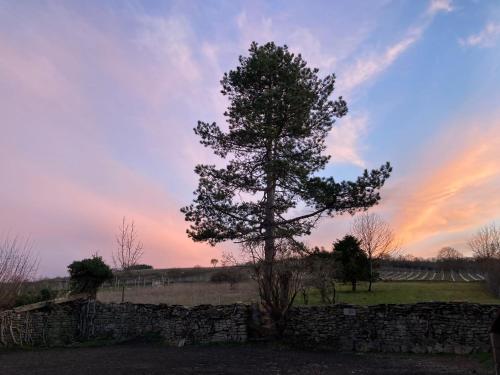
(64, 182)
(68, 220)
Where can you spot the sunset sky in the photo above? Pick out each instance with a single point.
(98, 101)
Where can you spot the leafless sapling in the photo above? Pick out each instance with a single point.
(376, 237)
(128, 251)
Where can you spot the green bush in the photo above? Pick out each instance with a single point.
(28, 298)
(87, 275)
(140, 267)
(227, 275)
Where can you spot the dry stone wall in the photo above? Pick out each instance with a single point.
(52, 325)
(172, 324)
(419, 328)
(55, 325)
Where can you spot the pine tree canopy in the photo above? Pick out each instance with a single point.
(279, 116)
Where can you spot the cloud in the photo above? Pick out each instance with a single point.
(365, 69)
(259, 29)
(170, 39)
(436, 6)
(344, 140)
(448, 197)
(487, 37)
(69, 220)
(304, 42)
(96, 125)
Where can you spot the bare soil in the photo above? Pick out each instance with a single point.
(238, 360)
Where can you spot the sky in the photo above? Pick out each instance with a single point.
(98, 101)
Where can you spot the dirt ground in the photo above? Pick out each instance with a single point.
(238, 360)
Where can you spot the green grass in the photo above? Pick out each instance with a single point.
(409, 292)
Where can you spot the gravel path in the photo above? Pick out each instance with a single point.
(238, 360)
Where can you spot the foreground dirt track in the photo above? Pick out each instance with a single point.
(245, 359)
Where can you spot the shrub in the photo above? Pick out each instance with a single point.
(321, 273)
(87, 275)
(139, 267)
(227, 275)
(28, 298)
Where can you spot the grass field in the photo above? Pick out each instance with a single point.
(187, 294)
(190, 294)
(411, 292)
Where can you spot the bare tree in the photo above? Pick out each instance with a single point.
(129, 249)
(214, 262)
(449, 253)
(18, 264)
(279, 283)
(229, 271)
(449, 258)
(485, 244)
(376, 237)
(228, 259)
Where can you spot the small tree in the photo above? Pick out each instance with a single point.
(352, 260)
(18, 265)
(87, 275)
(129, 250)
(449, 253)
(485, 244)
(321, 274)
(214, 262)
(229, 272)
(376, 239)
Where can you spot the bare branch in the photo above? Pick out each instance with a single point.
(485, 244)
(376, 236)
(129, 249)
(18, 264)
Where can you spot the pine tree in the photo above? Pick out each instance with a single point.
(352, 260)
(279, 116)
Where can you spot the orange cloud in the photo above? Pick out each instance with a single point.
(456, 195)
(80, 102)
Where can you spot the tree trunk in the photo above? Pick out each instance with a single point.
(269, 252)
(269, 231)
(123, 291)
(370, 277)
(354, 285)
